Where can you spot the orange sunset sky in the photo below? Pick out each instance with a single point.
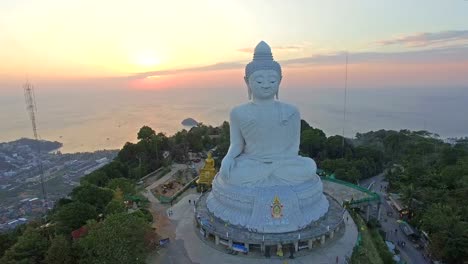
(170, 44)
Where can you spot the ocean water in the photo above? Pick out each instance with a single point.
(93, 119)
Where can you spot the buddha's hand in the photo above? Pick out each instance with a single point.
(226, 166)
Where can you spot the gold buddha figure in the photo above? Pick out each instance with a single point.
(207, 173)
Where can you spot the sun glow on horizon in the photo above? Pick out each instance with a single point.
(85, 40)
(146, 60)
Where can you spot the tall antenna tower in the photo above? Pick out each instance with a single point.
(32, 110)
(344, 104)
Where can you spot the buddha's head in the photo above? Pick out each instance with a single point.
(263, 74)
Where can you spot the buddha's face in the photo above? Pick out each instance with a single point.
(264, 84)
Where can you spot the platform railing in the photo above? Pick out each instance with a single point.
(373, 196)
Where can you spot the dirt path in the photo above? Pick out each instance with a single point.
(163, 225)
(161, 222)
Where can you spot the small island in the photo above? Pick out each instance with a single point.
(190, 122)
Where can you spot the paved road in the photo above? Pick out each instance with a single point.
(389, 223)
(187, 247)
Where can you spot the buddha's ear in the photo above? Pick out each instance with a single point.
(279, 82)
(246, 79)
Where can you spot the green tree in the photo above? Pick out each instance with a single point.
(128, 154)
(365, 168)
(115, 207)
(334, 147)
(60, 251)
(194, 139)
(304, 125)
(29, 249)
(116, 169)
(6, 241)
(180, 137)
(9, 238)
(98, 178)
(154, 153)
(120, 238)
(352, 175)
(163, 141)
(312, 141)
(450, 175)
(224, 140)
(144, 214)
(207, 142)
(125, 185)
(448, 234)
(371, 154)
(117, 204)
(146, 133)
(408, 195)
(62, 201)
(179, 153)
(93, 195)
(72, 216)
(394, 144)
(340, 173)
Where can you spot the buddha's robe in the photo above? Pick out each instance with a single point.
(271, 136)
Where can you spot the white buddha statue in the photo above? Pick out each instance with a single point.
(265, 133)
(262, 169)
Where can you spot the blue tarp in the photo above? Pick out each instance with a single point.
(239, 247)
(164, 241)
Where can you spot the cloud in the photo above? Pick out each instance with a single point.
(213, 67)
(430, 56)
(428, 39)
(449, 54)
(275, 48)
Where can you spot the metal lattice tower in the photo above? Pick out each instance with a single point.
(32, 110)
(344, 105)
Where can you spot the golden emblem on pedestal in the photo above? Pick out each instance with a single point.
(276, 208)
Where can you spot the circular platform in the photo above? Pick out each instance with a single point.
(218, 231)
(252, 206)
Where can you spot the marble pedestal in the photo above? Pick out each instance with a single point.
(251, 207)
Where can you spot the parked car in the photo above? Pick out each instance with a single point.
(408, 231)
